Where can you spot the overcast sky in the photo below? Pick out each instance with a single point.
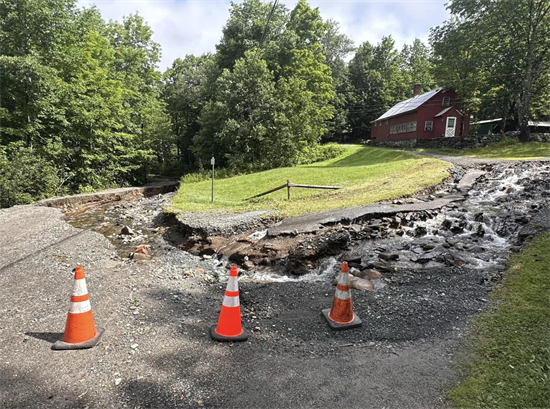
(195, 26)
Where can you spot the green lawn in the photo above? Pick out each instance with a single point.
(367, 175)
(510, 348)
(519, 151)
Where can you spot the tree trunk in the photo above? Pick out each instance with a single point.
(524, 132)
(525, 104)
(29, 122)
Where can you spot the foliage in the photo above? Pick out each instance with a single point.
(321, 153)
(25, 176)
(496, 54)
(510, 342)
(336, 48)
(367, 175)
(378, 81)
(187, 87)
(270, 104)
(417, 66)
(82, 95)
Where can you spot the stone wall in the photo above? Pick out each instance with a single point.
(459, 142)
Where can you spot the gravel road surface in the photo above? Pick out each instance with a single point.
(156, 351)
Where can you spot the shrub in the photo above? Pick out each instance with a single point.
(321, 153)
(506, 141)
(25, 176)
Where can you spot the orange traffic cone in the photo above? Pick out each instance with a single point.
(341, 315)
(229, 324)
(80, 331)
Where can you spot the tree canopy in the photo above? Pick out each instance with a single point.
(496, 53)
(84, 102)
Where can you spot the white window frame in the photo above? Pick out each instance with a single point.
(431, 124)
(446, 101)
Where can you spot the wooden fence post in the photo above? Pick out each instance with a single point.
(288, 188)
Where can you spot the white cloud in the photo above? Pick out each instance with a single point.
(195, 26)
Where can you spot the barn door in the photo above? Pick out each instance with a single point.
(451, 126)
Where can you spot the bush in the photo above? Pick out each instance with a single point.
(321, 153)
(203, 175)
(507, 140)
(25, 176)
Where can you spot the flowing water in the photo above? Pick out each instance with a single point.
(476, 233)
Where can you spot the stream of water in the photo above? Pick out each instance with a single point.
(477, 232)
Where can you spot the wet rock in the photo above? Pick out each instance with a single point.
(420, 231)
(388, 256)
(236, 252)
(369, 274)
(297, 267)
(207, 251)
(427, 257)
(248, 265)
(458, 262)
(428, 246)
(244, 239)
(352, 260)
(272, 247)
(477, 249)
(459, 246)
(127, 231)
(480, 231)
(337, 241)
(265, 262)
(141, 253)
(457, 228)
(381, 266)
(378, 283)
(361, 284)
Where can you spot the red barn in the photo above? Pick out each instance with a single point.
(429, 115)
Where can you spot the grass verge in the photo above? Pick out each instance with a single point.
(367, 175)
(511, 347)
(518, 151)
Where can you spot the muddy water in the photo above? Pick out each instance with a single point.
(476, 233)
(144, 218)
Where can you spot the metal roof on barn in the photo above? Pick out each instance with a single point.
(408, 105)
(444, 112)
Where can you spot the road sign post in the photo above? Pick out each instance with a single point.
(213, 161)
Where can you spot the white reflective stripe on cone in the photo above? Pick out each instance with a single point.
(231, 301)
(80, 287)
(343, 295)
(80, 307)
(343, 279)
(232, 284)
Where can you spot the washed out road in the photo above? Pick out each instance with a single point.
(156, 351)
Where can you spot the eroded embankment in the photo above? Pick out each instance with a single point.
(472, 220)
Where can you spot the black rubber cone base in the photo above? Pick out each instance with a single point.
(60, 345)
(238, 338)
(339, 327)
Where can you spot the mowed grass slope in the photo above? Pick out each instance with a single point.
(366, 174)
(510, 363)
(518, 151)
